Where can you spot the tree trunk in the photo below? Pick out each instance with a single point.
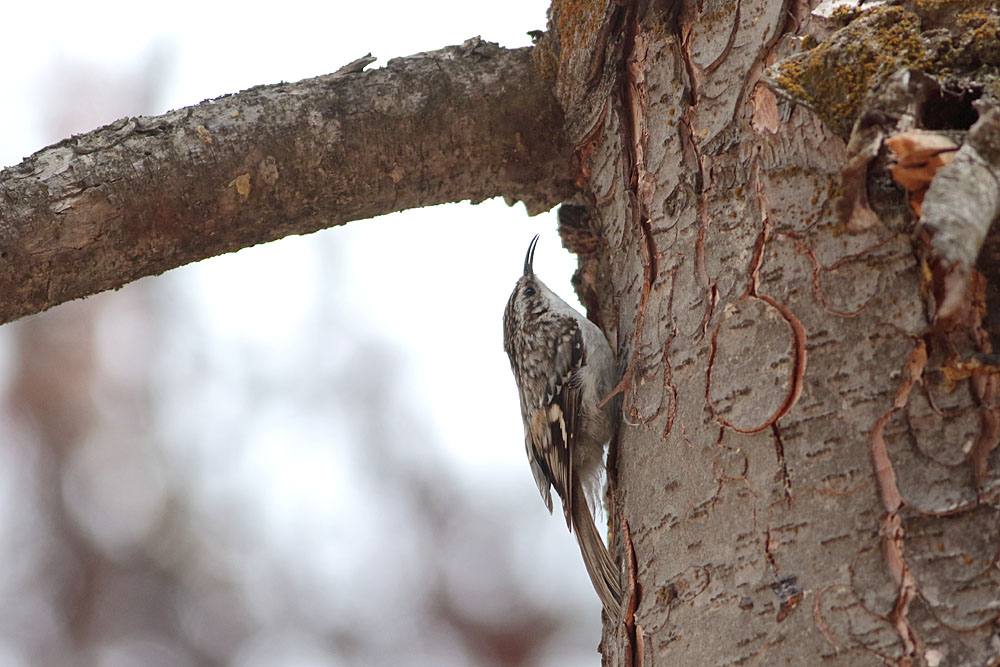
(806, 472)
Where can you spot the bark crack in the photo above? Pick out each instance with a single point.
(891, 528)
(633, 100)
(634, 648)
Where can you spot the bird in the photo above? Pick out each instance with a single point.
(564, 368)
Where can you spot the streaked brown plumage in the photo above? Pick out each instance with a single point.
(563, 367)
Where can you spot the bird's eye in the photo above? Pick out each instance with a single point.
(529, 291)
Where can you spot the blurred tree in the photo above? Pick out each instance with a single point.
(807, 468)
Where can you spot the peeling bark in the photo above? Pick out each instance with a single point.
(798, 428)
(144, 195)
(963, 201)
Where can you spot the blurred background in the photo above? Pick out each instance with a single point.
(289, 455)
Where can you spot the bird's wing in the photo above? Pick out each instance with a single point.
(551, 424)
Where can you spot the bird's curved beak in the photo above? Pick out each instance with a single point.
(529, 258)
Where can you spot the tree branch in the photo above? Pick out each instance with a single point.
(147, 194)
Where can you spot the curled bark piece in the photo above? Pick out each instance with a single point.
(964, 198)
(919, 155)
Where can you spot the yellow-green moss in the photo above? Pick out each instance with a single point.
(925, 5)
(834, 77)
(980, 36)
(576, 21)
(843, 15)
(954, 39)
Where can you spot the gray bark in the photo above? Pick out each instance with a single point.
(807, 471)
(144, 195)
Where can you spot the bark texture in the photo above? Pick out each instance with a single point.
(807, 471)
(144, 195)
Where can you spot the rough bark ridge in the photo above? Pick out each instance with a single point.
(144, 195)
(803, 476)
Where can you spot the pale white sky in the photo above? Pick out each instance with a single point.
(211, 49)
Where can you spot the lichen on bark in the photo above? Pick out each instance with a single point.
(957, 40)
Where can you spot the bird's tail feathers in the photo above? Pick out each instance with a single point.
(604, 574)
